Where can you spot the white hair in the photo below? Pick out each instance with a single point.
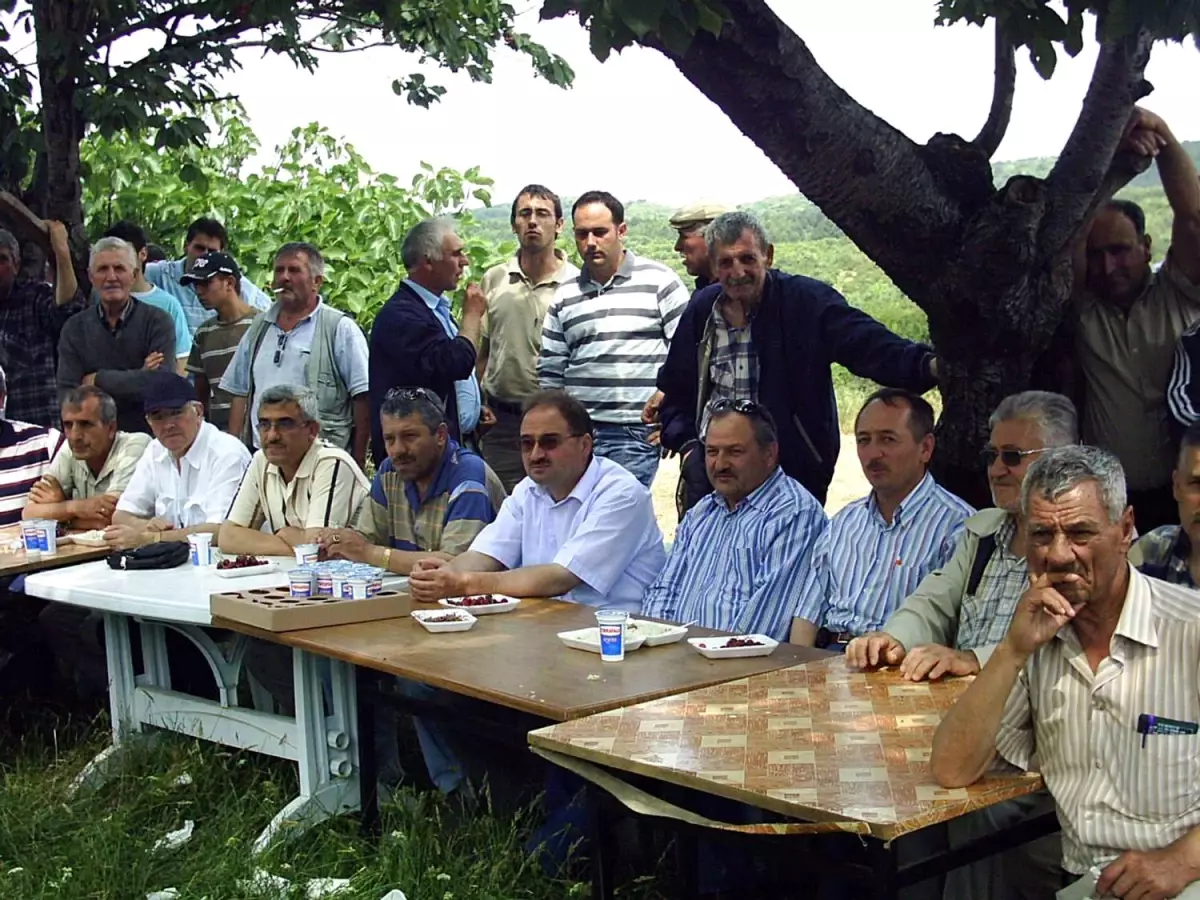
(108, 244)
(425, 241)
(1062, 469)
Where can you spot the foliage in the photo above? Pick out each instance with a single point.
(316, 189)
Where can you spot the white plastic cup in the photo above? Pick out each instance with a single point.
(612, 634)
(324, 583)
(30, 534)
(300, 583)
(201, 547)
(354, 589)
(306, 554)
(48, 537)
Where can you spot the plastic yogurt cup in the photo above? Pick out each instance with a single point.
(306, 553)
(612, 634)
(300, 582)
(354, 589)
(201, 549)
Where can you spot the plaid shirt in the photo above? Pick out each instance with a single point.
(984, 617)
(30, 323)
(733, 364)
(1165, 553)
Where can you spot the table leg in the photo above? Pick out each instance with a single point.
(368, 763)
(121, 703)
(884, 867)
(603, 852)
(328, 749)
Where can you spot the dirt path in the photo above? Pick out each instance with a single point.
(848, 484)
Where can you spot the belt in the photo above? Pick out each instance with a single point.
(825, 637)
(504, 406)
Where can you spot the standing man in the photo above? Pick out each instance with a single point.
(519, 292)
(297, 485)
(1172, 552)
(769, 337)
(116, 344)
(607, 333)
(1130, 320)
(205, 235)
(86, 478)
(216, 279)
(32, 315)
(26, 452)
(303, 340)
(690, 222)
(416, 343)
(155, 296)
(878, 549)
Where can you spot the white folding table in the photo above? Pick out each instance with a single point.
(325, 747)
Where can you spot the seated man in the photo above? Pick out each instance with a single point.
(743, 555)
(186, 479)
(26, 452)
(296, 485)
(1172, 552)
(430, 498)
(1095, 647)
(86, 478)
(580, 526)
(878, 549)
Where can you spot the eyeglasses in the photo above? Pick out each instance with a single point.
(286, 424)
(1010, 458)
(279, 349)
(745, 407)
(548, 442)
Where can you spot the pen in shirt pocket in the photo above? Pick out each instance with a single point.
(1148, 725)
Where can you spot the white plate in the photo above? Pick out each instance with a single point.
(712, 648)
(589, 639)
(656, 633)
(266, 567)
(509, 604)
(424, 615)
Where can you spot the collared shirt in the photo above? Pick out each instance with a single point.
(126, 312)
(742, 570)
(512, 327)
(466, 390)
(984, 616)
(604, 344)
(78, 480)
(1165, 553)
(157, 297)
(462, 498)
(327, 491)
(603, 532)
(1113, 791)
(196, 491)
(292, 349)
(213, 348)
(732, 365)
(30, 324)
(1126, 360)
(867, 567)
(166, 274)
(25, 454)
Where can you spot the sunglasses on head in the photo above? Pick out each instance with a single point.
(745, 407)
(1010, 458)
(408, 394)
(547, 442)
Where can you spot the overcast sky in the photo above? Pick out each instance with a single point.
(636, 127)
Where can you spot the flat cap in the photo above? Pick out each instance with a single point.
(700, 213)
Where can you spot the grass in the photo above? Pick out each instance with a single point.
(99, 845)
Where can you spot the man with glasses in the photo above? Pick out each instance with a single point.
(878, 549)
(743, 555)
(303, 340)
(518, 294)
(186, 479)
(580, 526)
(430, 497)
(297, 485)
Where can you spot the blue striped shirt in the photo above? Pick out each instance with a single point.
(743, 570)
(867, 567)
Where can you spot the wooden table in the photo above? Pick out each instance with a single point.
(516, 660)
(19, 563)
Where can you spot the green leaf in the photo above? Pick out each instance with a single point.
(676, 38)
(1043, 57)
(639, 16)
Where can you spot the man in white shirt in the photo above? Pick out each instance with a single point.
(580, 526)
(297, 485)
(186, 479)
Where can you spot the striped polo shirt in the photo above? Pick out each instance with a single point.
(463, 497)
(604, 344)
(866, 567)
(26, 452)
(213, 348)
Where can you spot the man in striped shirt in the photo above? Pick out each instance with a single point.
(607, 333)
(743, 555)
(1097, 679)
(878, 549)
(25, 455)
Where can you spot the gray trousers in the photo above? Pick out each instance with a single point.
(502, 448)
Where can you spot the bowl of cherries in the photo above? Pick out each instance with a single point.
(483, 604)
(739, 646)
(243, 565)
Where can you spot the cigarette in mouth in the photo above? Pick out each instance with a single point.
(278, 290)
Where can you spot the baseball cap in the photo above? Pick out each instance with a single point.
(210, 264)
(166, 390)
(699, 213)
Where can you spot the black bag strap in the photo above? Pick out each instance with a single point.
(983, 552)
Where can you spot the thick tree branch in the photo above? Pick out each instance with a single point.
(1005, 84)
(154, 23)
(866, 176)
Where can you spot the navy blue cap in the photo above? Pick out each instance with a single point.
(210, 265)
(166, 390)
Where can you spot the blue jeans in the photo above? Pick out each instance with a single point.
(627, 445)
(445, 770)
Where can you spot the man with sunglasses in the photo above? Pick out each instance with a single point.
(580, 526)
(297, 485)
(743, 554)
(188, 476)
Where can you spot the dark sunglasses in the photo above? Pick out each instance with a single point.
(744, 407)
(279, 348)
(547, 442)
(1011, 458)
(408, 394)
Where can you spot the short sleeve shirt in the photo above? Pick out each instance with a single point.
(213, 348)
(80, 483)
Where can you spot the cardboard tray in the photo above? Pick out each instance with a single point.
(274, 609)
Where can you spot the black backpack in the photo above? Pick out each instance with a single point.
(159, 555)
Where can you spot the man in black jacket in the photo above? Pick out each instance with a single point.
(763, 335)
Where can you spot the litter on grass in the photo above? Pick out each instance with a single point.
(176, 839)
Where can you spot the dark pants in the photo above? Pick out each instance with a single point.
(502, 443)
(693, 481)
(1153, 508)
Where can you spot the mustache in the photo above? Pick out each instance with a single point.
(744, 281)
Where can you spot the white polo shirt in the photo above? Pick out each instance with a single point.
(199, 490)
